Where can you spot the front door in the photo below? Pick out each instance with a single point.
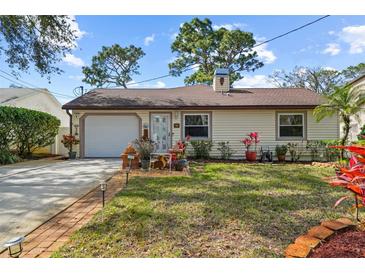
(161, 131)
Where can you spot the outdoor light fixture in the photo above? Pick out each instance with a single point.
(103, 186)
(14, 246)
(128, 169)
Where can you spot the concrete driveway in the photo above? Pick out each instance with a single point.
(32, 193)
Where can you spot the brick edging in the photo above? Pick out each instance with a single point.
(2, 250)
(304, 244)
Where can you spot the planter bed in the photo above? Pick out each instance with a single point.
(349, 243)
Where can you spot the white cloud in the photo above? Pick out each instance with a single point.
(265, 55)
(173, 36)
(355, 37)
(331, 32)
(232, 26)
(75, 27)
(72, 60)
(160, 84)
(332, 49)
(149, 39)
(76, 77)
(329, 68)
(256, 81)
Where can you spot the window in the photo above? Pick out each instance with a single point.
(291, 125)
(196, 125)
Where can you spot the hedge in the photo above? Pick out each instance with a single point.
(26, 129)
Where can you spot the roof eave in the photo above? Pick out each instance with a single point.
(311, 106)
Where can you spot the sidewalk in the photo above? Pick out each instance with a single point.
(51, 235)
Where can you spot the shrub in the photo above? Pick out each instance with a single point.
(294, 152)
(225, 150)
(7, 157)
(27, 129)
(314, 147)
(281, 150)
(201, 149)
(69, 141)
(331, 154)
(144, 147)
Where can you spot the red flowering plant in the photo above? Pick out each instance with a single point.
(252, 139)
(352, 177)
(69, 140)
(179, 149)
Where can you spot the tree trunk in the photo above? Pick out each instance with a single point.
(346, 130)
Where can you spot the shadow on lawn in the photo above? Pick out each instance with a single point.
(264, 202)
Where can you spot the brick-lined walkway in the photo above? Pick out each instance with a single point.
(51, 235)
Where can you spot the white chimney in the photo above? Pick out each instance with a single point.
(221, 80)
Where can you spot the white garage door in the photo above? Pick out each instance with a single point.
(108, 136)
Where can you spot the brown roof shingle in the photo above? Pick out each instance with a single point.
(195, 97)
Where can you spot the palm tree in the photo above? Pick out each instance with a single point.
(345, 100)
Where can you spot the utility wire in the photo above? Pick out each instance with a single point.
(257, 45)
(20, 83)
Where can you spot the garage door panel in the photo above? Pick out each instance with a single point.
(107, 136)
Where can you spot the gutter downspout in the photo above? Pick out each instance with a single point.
(70, 115)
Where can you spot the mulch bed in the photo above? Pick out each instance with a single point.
(347, 244)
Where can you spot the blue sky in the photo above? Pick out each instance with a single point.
(336, 42)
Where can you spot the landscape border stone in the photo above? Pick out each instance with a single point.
(304, 244)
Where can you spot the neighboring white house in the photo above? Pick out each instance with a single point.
(356, 125)
(41, 100)
(109, 119)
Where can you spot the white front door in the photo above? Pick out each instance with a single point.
(161, 131)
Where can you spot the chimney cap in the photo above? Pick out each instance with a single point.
(221, 71)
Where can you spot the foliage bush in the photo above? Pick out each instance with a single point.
(225, 150)
(7, 157)
(26, 129)
(281, 150)
(331, 154)
(314, 148)
(294, 152)
(201, 149)
(144, 147)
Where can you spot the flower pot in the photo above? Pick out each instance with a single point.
(281, 158)
(145, 164)
(251, 156)
(181, 164)
(72, 155)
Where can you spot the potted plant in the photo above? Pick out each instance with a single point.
(144, 148)
(281, 152)
(252, 139)
(69, 141)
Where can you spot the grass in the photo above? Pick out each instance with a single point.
(222, 210)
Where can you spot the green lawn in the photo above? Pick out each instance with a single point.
(222, 210)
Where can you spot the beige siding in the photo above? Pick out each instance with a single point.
(233, 125)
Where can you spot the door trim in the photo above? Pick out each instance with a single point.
(82, 127)
(150, 123)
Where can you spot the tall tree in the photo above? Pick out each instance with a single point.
(347, 102)
(38, 40)
(198, 45)
(353, 72)
(113, 65)
(320, 80)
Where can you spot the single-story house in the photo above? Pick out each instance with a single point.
(109, 119)
(356, 125)
(41, 100)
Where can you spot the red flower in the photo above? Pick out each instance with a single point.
(187, 138)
